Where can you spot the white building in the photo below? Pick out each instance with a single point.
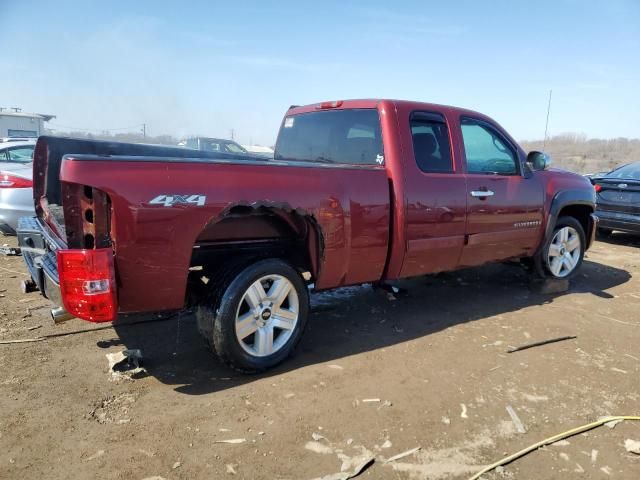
(15, 123)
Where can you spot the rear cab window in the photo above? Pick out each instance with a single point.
(431, 147)
(346, 137)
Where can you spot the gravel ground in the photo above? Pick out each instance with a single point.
(373, 376)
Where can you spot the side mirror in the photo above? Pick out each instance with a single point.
(538, 160)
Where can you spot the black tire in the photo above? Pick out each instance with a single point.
(217, 315)
(541, 267)
(604, 232)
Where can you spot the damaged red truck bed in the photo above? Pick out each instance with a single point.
(358, 191)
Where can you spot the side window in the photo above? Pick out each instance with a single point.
(486, 151)
(431, 143)
(20, 154)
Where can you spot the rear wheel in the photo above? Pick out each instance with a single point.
(255, 319)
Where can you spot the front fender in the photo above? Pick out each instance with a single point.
(568, 198)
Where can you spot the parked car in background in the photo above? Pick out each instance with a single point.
(618, 199)
(207, 144)
(16, 194)
(358, 191)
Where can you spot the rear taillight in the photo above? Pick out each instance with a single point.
(87, 284)
(12, 181)
(597, 187)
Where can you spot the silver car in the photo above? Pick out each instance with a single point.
(16, 192)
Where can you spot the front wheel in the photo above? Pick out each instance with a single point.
(259, 318)
(562, 254)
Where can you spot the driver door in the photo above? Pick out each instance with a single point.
(504, 209)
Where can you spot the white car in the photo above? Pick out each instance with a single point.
(16, 192)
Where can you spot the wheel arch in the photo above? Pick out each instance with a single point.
(246, 232)
(579, 204)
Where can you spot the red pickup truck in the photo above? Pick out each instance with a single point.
(358, 191)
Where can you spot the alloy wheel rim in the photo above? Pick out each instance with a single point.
(564, 252)
(267, 315)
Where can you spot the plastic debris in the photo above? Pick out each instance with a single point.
(516, 420)
(9, 251)
(402, 455)
(463, 414)
(354, 472)
(125, 364)
(98, 454)
(632, 446)
(318, 447)
(612, 423)
(232, 440)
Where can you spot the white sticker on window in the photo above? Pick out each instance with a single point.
(380, 159)
(288, 122)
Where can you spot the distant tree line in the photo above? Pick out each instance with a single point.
(132, 137)
(580, 154)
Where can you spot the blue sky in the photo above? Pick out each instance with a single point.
(207, 67)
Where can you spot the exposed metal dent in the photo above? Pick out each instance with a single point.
(300, 220)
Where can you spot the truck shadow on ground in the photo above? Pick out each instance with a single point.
(353, 320)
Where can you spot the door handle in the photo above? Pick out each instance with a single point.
(481, 193)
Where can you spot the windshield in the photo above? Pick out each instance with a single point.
(21, 154)
(234, 148)
(628, 172)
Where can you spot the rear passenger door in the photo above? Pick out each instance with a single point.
(435, 197)
(504, 214)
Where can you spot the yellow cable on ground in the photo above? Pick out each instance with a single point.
(547, 441)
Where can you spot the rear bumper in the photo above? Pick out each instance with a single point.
(39, 254)
(625, 222)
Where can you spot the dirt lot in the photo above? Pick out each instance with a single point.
(435, 358)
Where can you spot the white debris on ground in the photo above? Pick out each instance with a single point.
(632, 446)
(125, 365)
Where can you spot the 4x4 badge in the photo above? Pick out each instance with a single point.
(172, 200)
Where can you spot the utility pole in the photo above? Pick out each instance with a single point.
(546, 125)
(144, 130)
